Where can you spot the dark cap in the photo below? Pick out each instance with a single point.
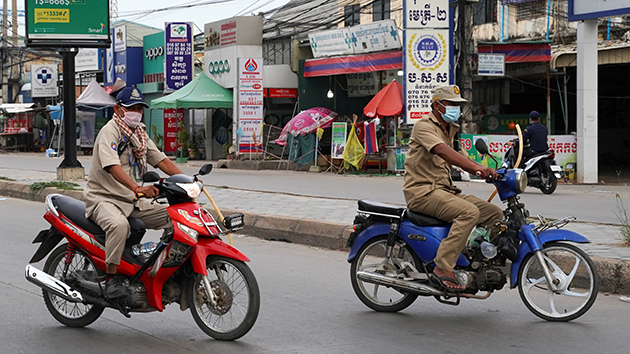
(130, 96)
(534, 115)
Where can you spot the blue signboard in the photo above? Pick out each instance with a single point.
(592, 9)
(179, 55)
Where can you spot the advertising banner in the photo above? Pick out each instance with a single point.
(87, 121)
(66, 22)
(565, 147)
(426, 66)
(44, 81)
(87, 60)
(401, 156)
(179, 55)
(375, 37)
(250, 104)
(172, 117)
(331, 42)
(120, 38)
(109, 63)
(425, 14)
(339, 133)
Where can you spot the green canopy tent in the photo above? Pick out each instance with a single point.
(201, 93)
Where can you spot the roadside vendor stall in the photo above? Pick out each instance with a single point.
(16, 125)
(94, 108)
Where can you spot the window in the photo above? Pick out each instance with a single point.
(352, 15)
(484, 11)
(530, 10)
(380, 10)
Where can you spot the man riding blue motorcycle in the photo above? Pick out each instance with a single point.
(429, 189)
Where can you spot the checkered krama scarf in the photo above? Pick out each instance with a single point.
(138, 139)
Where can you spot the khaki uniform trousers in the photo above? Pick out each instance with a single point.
(464, 212)
(112, 220)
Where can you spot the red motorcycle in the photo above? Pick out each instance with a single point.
(190, 265)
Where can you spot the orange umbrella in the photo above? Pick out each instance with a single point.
(387, 102)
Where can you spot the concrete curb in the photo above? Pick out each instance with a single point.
(614, 274)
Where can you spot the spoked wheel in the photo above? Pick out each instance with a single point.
(71, 314)
(237, 302)
(578, 283)
(371, 258)
(549, 182)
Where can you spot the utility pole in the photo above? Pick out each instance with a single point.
(3, 53)
(463, 38)
(15, 67)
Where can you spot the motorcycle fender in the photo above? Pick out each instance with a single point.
(48, 239)
(212, 246)
(366, 235)
(544, 237)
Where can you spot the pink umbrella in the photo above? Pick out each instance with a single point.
(307, 122)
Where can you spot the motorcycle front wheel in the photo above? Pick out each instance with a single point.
(369, 258)
(71, 314)
(578, 283)
(237, 302)
(548, 181)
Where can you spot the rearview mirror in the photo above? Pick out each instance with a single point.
(205, 169)
(150, 176)
(481, 146)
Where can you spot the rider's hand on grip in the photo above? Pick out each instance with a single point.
(486, 172)
(146, 192)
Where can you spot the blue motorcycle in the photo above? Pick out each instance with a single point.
(392, 251)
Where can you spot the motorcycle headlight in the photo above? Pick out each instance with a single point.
(520, 180)
(188, 231)
(192, 189)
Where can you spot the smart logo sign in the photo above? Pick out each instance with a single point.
(179, 55)
(83, 23)
(44, 81)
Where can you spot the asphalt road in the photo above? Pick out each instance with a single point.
(590, 203)
(308, 306)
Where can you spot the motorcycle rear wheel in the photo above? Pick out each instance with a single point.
(578, 283)
(379, 297)
(71, 314)
(548, 181)
(238, 299)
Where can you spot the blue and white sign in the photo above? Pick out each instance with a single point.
(491, 64)
(375, 37)
(331, 43)
(44, 81)
(592, 9)
(179, 55)
(426, 66)
(425, 14)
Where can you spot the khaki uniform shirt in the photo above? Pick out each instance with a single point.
(101, 185)
(426, 171)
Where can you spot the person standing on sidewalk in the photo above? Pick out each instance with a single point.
(122, 151)
(428, 186)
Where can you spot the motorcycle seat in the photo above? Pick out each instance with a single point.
(74, 210)
(423, 219)
(380, 209)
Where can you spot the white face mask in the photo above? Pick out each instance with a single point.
(132, 119)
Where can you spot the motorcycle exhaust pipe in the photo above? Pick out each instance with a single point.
(398, 284)
(49, 283)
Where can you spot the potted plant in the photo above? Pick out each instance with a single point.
(157, 138)
(200, 141)
(183, 140)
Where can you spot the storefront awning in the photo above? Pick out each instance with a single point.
(518, 52)
(353, 64)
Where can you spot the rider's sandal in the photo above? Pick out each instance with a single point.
(445, 287)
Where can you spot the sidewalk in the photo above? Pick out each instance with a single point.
(326, 222)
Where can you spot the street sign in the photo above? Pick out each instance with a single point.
(491, 64)
(67, 23)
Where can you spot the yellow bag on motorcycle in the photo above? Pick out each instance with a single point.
(354, 153)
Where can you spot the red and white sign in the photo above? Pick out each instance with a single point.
(282, 93)
(172, 117)
(250, 104)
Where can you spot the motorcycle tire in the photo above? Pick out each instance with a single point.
(71, 314)
(548, 181)
(238, 299)
(379, 297)
(578, 283)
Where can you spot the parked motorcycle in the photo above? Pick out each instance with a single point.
(542, 171)
(190, 266)
(392, 251)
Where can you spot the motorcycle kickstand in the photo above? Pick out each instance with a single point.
(211, 295)
(553, 282)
